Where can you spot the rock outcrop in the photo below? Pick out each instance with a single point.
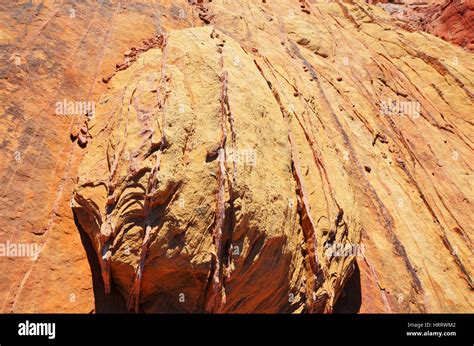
(451, 20)
(223, 229)
(55, 52)
(259, 156)
(223, 166)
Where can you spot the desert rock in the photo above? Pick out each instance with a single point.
(246, 157)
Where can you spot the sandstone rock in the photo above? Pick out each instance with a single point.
(450, 20)
(235, 214)
(60, 57)
(74, 133)
(264, 226)
(82, 140)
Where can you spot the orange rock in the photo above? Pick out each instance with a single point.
(74, 132)
(291, 189)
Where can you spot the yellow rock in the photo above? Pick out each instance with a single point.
(262, 166)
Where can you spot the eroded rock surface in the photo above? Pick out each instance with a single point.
(451, 20)
(53, 51)
(193, 187)
(226, 176)
(226, 161)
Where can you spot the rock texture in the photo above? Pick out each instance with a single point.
(452, 20)
(54, 51)
(226, 227)
(233, 150)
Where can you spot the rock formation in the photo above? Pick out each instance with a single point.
(452, 20)
(248, 156)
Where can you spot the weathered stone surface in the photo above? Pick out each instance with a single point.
(224, 163)
(450, 20)
(346, 166)
(64, 49)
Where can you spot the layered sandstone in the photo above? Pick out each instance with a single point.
(451, 20)
(166, 215)
(233, 150)
(54, 51)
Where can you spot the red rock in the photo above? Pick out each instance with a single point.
(309, 184)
